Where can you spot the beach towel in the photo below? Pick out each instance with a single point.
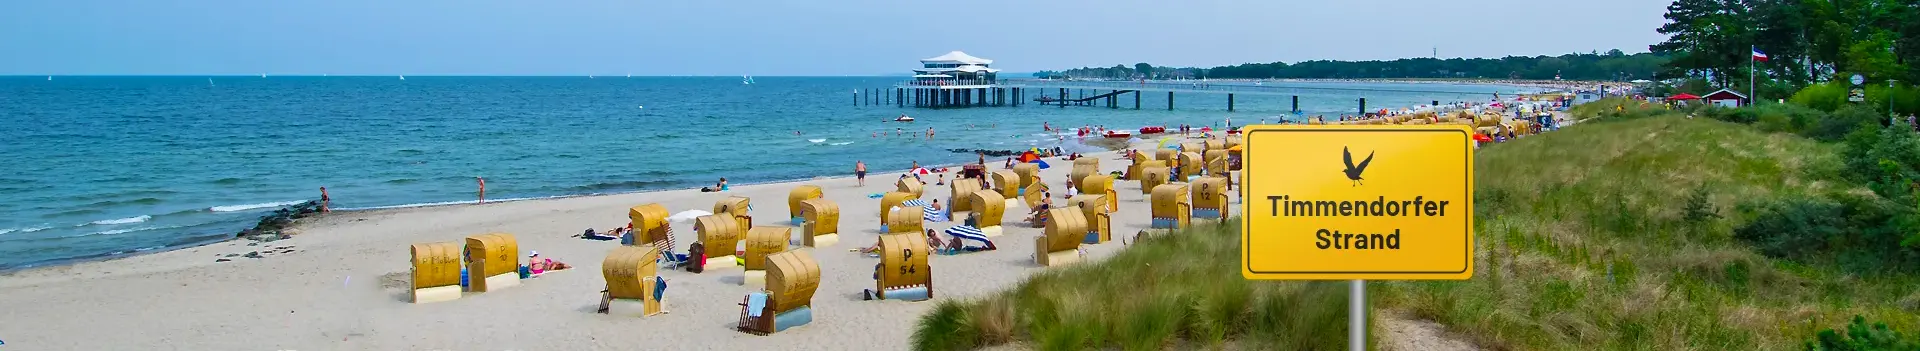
(970, 233)
(931, 215)
(755, 303)
(914, 202)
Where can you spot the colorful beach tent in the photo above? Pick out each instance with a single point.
(1029, 156)
(1043, 164)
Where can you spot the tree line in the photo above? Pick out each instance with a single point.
(1805, 41)
(1613, 65)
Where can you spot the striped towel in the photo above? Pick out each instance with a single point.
(931, 215)
(969, 233)
(914, 202)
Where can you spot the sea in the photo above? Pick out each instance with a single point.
(104, 166)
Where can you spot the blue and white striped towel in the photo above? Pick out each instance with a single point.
(914, 203)
(968, 232)
(931, 215)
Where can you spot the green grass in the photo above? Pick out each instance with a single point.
(1584, 240)
(1179, 291)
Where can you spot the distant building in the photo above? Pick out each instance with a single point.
(1726, 98)
(955, 68)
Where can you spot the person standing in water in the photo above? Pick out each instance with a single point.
(929, 133)
(860, 172)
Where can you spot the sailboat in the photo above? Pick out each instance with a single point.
(403, 77)
(263, 75)
(746, 80)
(209, 81)
(49, 77)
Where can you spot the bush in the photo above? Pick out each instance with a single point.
(1825, 97)
(1836, 126)
(1859, 336)
(1796, 227)
(1886, 159)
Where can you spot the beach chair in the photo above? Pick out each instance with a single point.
(1100, 185)
(1190, 164)
(719, 233)
(493, 262)
(1029, 173)
(1171, 209)
(910, 186)
(762, 242)
(1061, 243)
(904, 273)
(630, 272)
(794, 198)
(891, 200)
(821, 226)
(988, 212)
(436, 272)
(1133, 170)
(738, 207)
(960, 195)
(1153, 176)
(1099, 221)
(1210, 198)
(906, 219)
(792, 278)
(1083, 167)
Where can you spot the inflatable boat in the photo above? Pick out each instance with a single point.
(1117, 134)
(903, 119)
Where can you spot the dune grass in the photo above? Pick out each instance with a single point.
(1617, 233)
(1614, 234)
(1182, 290)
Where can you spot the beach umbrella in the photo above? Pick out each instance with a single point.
(1043, 164)
(688, 215)
(921, 170)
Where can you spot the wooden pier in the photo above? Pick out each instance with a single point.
(1015, 92)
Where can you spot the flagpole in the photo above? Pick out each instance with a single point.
(1750, 68)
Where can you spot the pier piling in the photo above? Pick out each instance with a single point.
(1363, 106)
(1229, 102)
(1169, 101)
(1296, 103)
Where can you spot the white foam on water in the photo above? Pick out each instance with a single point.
(128, 220)
(232, 208)
(816, 141)
(124, 231)
(841, 143)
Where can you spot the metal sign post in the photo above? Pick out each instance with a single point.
(1357, 315)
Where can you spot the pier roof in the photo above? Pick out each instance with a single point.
(958, 57)
(966, 68)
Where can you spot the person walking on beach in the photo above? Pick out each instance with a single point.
(860, 172)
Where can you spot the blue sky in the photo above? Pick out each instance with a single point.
(672, 37)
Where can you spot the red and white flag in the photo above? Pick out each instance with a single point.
(1759, 56)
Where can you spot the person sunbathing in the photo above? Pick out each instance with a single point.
(537, 265)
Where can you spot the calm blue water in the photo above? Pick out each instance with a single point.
(101, 166)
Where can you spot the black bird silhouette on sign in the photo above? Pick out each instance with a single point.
(1353, 171)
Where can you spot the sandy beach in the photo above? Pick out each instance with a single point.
(340, 284)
